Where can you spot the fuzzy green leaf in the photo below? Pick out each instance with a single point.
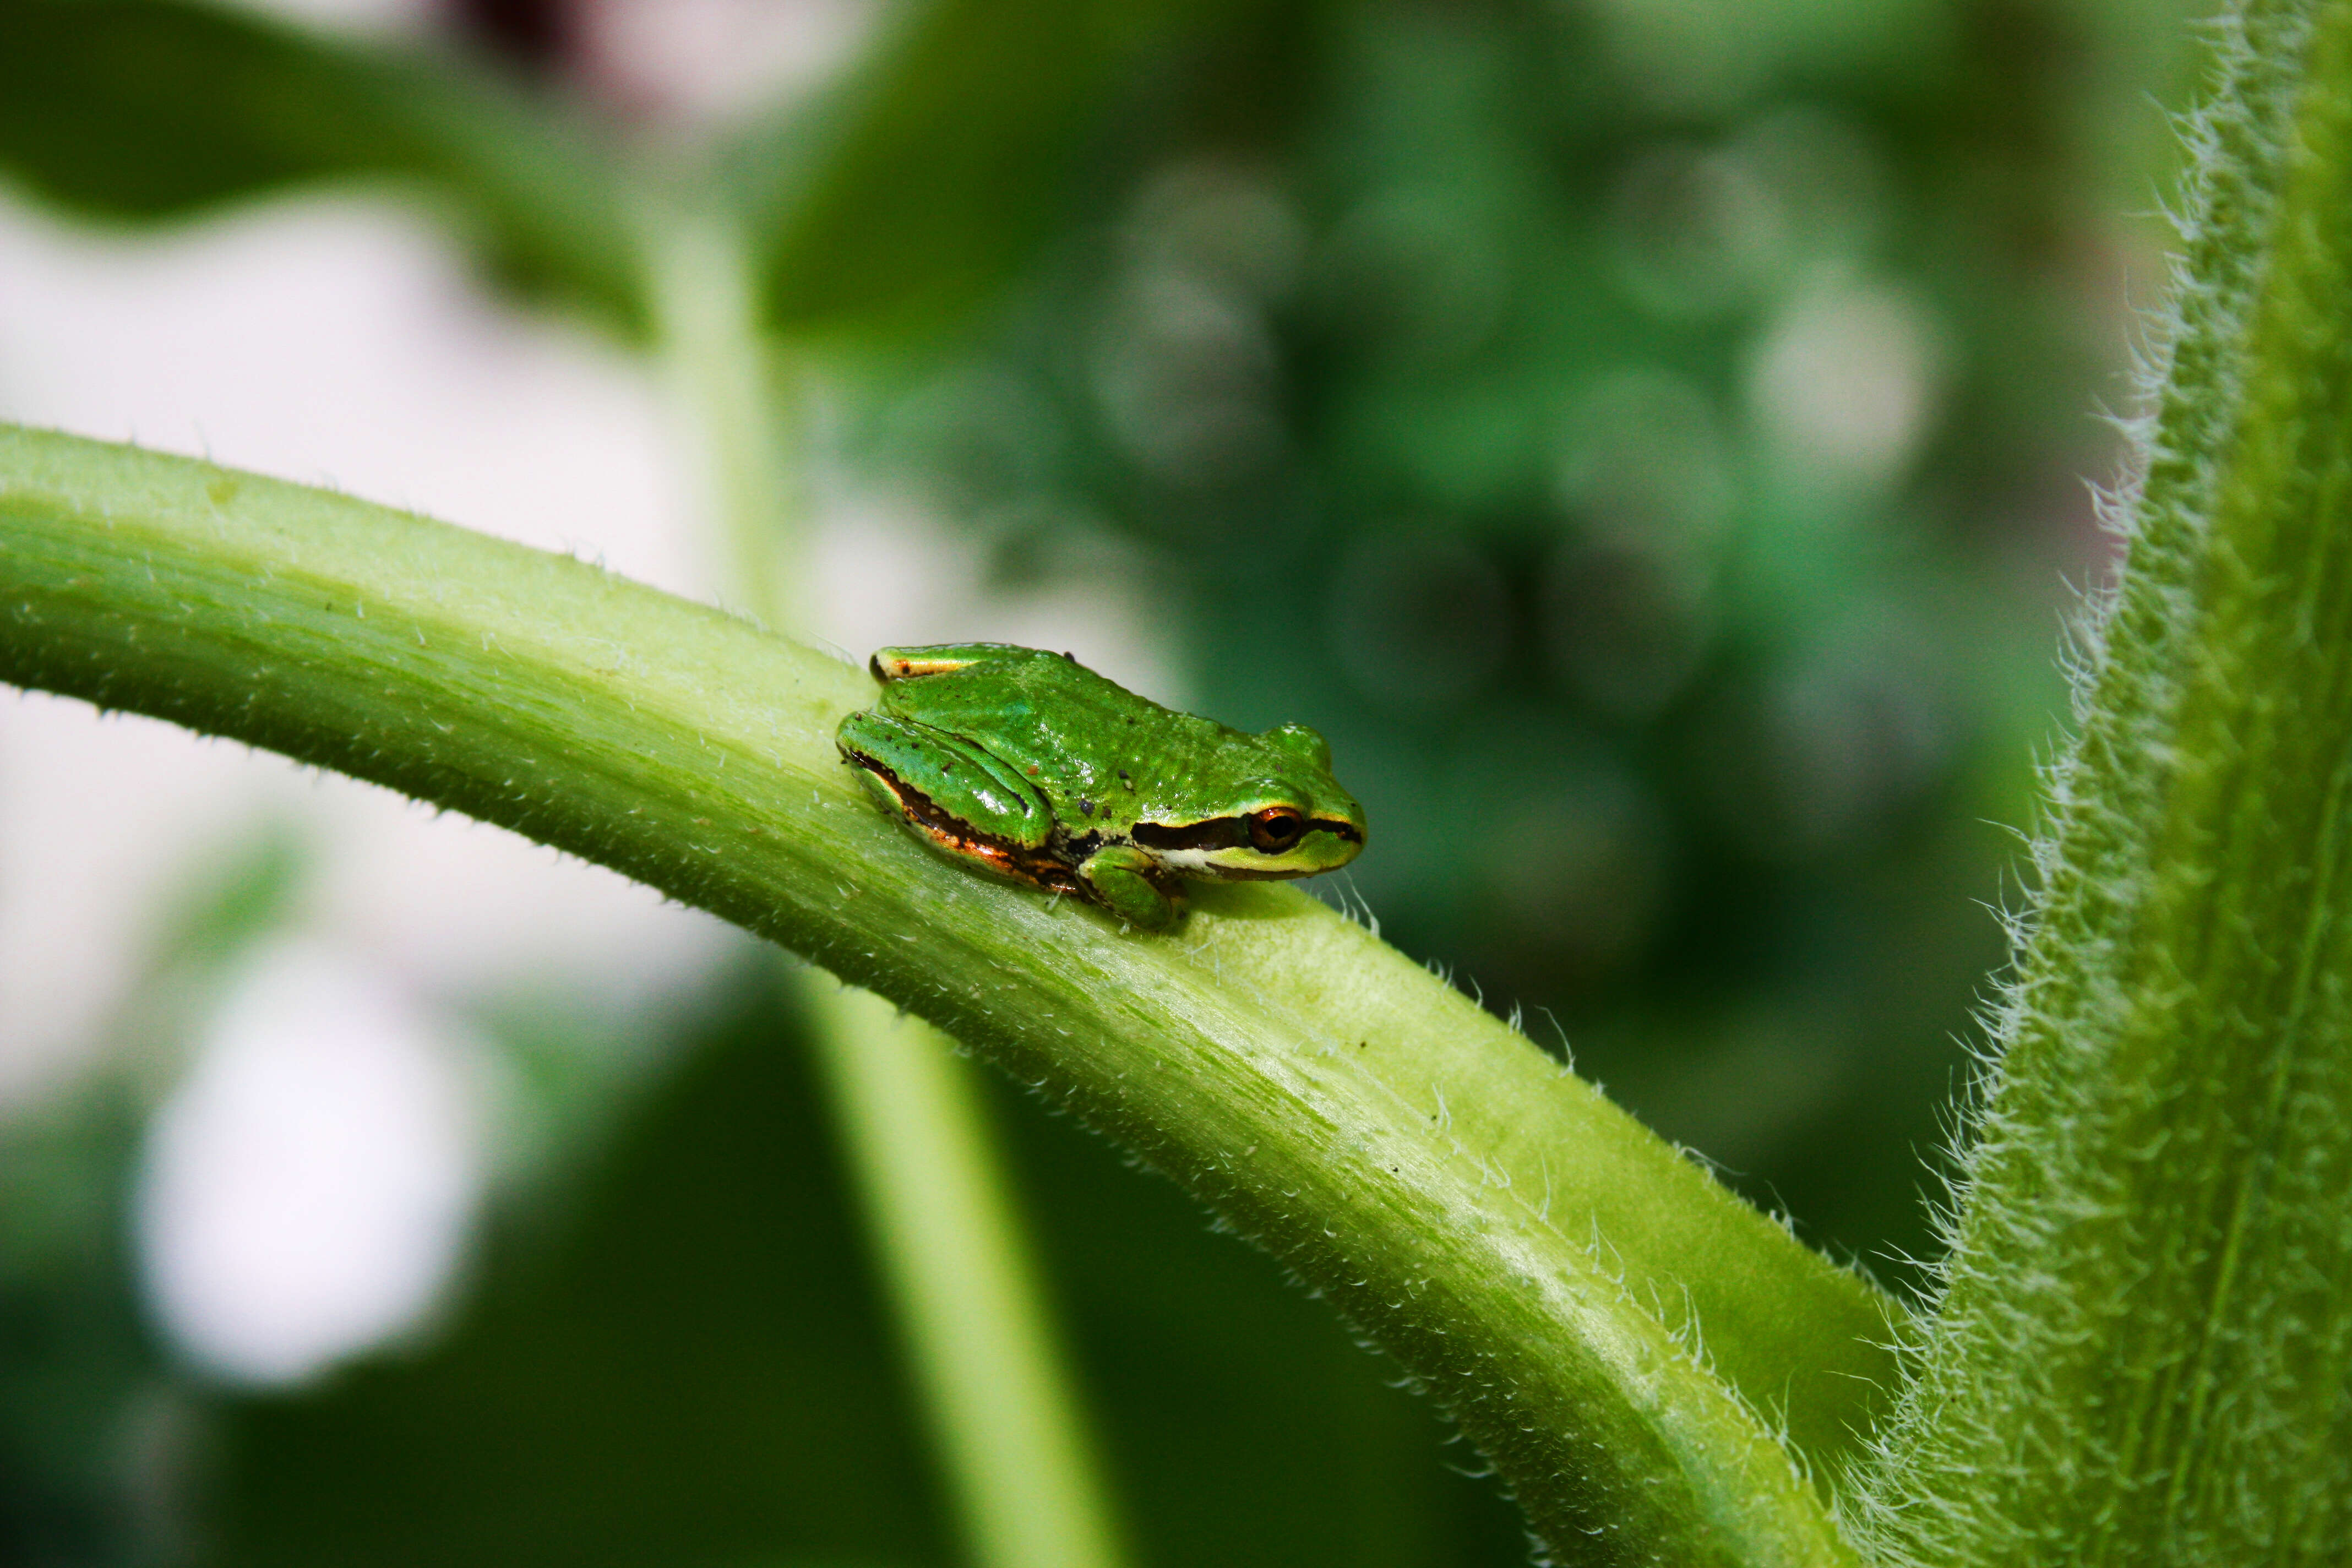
(2144, 1354)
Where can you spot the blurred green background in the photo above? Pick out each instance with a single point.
(1650, 438)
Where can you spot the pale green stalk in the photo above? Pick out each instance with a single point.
(927, 1168)
(1002, 1407)
(1558, 1278)
(722, 379)
(2144, 1352)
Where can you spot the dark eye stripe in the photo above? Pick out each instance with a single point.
(1217, 833)
(1229, 833)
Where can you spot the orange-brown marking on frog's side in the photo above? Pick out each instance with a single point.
(1033, 866)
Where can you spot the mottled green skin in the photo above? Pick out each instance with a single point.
(1035, 767)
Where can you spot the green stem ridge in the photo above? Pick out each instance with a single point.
(1542, 1264)
(2144, 1351)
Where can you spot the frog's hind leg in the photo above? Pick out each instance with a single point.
(955, 793)
(1117, 878)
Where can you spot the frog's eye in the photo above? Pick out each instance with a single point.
(1276, 828)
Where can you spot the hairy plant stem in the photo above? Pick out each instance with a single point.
(2144, 1354)
(922, 1155)
(1561, 1279)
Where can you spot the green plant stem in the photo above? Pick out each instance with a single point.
(1561, 1279)
(926, 1164)
(2144, 1354)
(928, 1171)
(722, 379)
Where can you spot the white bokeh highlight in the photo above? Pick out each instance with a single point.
(1845, 384)
(689, 65)
(343, 342)
(306, 1190)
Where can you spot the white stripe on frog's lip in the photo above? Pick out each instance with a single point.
(1204, 863)
(1233, 867)
(1198, 862)
(1231, 863)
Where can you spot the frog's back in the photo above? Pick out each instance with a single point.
(1045, 713)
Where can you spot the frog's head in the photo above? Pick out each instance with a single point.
(1284, 817)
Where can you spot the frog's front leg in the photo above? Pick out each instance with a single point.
(1119, 879)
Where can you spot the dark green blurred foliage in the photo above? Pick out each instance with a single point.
(693, 1366)
(915, 190)
(1650, 442)
(87, 1404)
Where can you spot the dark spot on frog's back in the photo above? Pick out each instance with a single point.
(1086, 808)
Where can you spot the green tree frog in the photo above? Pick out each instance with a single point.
(1033, 766)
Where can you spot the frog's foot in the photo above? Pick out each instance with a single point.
(1117, 878)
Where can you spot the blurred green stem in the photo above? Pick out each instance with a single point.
(929, 1170)
(723, 384)
(926, 1161)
